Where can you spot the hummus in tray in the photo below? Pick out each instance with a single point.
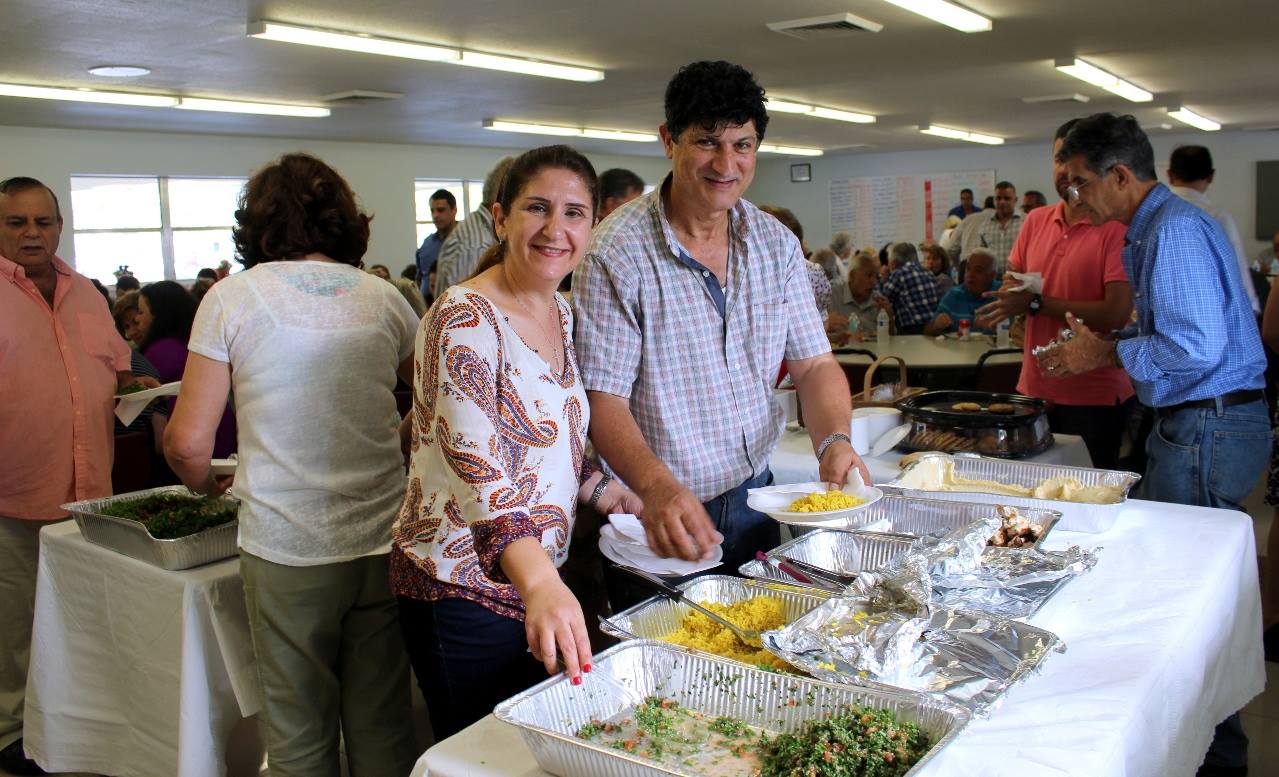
(936, 473)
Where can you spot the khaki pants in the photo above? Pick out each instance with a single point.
(19, 554)
(329, 652)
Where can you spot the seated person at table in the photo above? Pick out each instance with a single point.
(856, 301)
(498, 435)
(963, 300)
(910, 289)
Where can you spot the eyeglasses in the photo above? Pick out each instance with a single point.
(1072, 191)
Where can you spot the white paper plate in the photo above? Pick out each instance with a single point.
(167, 390)
(621, 551)
(774, 501)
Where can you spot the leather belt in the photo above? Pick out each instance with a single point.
(1227, 400)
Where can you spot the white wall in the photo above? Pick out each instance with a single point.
(1026, 166)
(381, 174)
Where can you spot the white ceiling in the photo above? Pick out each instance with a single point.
(1217, 58)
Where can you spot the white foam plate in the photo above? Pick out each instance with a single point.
(619, 550)
(774, 501)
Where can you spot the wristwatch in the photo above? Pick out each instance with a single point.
(1036, 302)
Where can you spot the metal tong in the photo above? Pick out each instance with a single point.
(748, 636)
(808, 573)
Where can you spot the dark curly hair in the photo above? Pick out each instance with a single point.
(298, 206)
(713, 94)
(172, 312)
(525, 168)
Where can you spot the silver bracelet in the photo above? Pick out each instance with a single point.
(599, 490)
(830, 440)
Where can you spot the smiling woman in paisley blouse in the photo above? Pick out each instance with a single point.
(498, 433)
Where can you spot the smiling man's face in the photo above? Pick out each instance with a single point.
(713, 168)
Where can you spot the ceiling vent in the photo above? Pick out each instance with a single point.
(1073, 97)
(823, 27)
(359, 97)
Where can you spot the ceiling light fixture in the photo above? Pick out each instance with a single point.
(1097, 77)
(1187, 116)
(239, 106)
(502, 125)
(770, 148)
(119, 71)
(956, 134)
(949, 14)
(818, 111)
(88, 96)
(391, 47)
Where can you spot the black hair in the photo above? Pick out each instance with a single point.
(207, 272)
(172, 312)
(525, 168)
(446, 195)
(990, 202)
(1065, 129)
(1190, 163)
(618, 182)
(1038, 197)
(966, 191)
(126, 283)
(1105, 140)
(711, 95)
(1005, 185)
(21, 183)
(97, 284)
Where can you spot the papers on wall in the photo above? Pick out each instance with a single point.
(880, 209)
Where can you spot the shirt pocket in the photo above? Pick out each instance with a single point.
(768, 327)
(97, 341)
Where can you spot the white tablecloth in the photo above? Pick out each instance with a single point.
(927, 352)
(795, 462)
(1164, 641)
(135, 671)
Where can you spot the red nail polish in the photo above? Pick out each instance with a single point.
(586, 667)
(577, 680)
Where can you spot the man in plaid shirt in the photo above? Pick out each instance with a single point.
(688, 301)
(910, 289)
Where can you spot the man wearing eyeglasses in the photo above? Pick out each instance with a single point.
(1194, 353)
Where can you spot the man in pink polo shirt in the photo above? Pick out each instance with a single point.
(61, 360)
(1083, 274)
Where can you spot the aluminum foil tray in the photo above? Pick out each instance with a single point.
(1075, 516)
(132, 539)
(548, 714)
(843, 552)
(919, 517)
(969, 658)
(655, 618)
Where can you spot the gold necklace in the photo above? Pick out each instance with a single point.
(553, 361)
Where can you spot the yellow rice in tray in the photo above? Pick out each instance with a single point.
(758, 612)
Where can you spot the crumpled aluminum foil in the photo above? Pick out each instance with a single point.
(1013, 583)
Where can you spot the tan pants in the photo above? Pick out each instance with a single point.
(329, 652)
(19, 554)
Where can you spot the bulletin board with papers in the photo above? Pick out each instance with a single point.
(880, 209)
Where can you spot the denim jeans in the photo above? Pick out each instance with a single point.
(745, 531)
(467, 659)
(1210, 457)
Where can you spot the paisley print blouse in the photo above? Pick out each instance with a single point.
(498, 446)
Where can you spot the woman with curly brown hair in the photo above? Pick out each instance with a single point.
(311, 346)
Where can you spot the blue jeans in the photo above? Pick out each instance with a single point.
(1210, 457)
(745, 531)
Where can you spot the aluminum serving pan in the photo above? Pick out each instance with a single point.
(655, 618)
(132, 538)
(919, 517)
(1075, 516)
(549, 714)
(834, 550)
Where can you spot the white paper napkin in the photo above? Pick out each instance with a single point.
(131, 406)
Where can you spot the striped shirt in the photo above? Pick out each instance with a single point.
(983, 230)
(697, 363)
(1195, 336)
(460, 254)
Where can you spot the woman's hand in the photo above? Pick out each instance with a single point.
(617, 498)
(556, 628)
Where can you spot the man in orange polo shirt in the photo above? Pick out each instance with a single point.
(61, 360)
(1083, 274)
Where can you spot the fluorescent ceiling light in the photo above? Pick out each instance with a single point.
(949, 14)
(391, 47)
(502, 125)
(769, 148)
(817, 111)
(1187, 116)
(1097, 77)
(238, 106)
(119, 71)
(955, 134)
(88, 96)
(350, 41)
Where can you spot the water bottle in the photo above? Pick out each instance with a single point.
(1001, 333)
(881, 326)
(854, 322)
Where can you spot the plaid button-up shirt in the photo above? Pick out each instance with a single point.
(697, 363)
(913, 293)
(983, 230)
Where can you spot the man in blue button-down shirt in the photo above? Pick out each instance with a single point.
(1194, 353)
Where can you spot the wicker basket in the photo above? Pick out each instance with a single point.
(903, 391)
